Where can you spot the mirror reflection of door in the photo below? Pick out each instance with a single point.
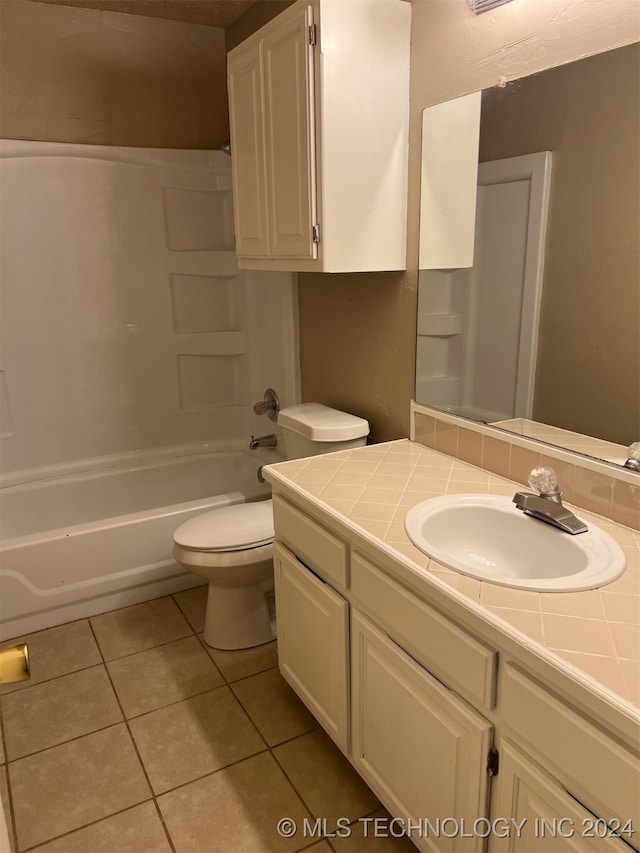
(478, 327)
(504, 288)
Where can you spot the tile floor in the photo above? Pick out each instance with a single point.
(132, 736)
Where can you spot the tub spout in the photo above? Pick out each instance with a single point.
(270, 440)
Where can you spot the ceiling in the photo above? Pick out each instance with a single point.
(213, 13)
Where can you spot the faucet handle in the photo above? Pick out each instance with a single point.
(545, 482)
(270, 406)
(633, 456)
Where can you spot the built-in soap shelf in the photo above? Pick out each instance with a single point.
(440, 325)
(445, 389)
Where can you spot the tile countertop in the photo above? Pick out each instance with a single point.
(593, 636)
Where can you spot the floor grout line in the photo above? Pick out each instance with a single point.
(136, 750)
(85, 826)
(125, 720)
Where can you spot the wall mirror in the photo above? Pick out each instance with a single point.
(541, 335)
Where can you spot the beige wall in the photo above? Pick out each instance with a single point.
(253, 19)
(357, 332)
(589, 344)
(73, 75)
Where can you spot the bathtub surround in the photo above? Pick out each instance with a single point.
(74, 546)
(133, 350)
(130, 328)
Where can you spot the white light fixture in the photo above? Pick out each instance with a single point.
(479, 6)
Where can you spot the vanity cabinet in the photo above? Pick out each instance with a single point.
(422, 749)
(550, 819)
(313, 625)
(319, 110)
(440, 722)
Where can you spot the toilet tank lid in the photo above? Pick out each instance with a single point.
(321, 423)
(229, 528)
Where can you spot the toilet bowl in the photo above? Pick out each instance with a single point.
(232, 547)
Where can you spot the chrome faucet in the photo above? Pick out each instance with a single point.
(547, 504)
(270, 440)
(633, 457)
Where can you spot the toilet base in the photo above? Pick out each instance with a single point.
(239, 617)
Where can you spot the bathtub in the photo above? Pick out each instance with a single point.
(80, 540)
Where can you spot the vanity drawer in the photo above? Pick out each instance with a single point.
(601, 767)
(455, 658)
(316, 547)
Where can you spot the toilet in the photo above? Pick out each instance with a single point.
(232, 547)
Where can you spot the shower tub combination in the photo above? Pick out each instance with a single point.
(132, 350)
(86, 542)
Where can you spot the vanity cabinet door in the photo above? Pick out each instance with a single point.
(420, 747)
(313, 642)
(544, 817)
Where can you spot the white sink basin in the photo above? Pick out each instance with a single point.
(487, 537)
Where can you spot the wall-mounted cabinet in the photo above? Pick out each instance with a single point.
(319, 112)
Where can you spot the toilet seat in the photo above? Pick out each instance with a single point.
(240, 527)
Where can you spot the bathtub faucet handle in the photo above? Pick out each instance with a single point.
(269, 406)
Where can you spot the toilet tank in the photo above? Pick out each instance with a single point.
(310, 429)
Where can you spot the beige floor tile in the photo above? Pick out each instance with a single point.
(4, 801)
(273, 706)
(182, 742)
(57, 651)
(193, 603)
(244, 662)
(74, 784)
(376, 833)
(143, 626)
(59, 710)
(160, 676)
(325, 780)
(236, 809)
(137, 830)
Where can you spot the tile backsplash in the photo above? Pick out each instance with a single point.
(587, 483)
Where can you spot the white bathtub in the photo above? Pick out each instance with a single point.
(77, 543)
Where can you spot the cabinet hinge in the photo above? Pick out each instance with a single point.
(315, 233)
(493, 762)
(312, 35)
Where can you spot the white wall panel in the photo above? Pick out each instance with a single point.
(125, 322)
